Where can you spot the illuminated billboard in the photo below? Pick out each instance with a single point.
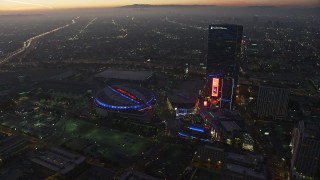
(215, 87)
(205, 103)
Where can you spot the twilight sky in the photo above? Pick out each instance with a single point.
(10, 5)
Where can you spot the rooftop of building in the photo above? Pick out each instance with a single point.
(135, 175)
(227, 114)
(80, 144)
(311, 129)
(10, 173)
(229, 120)
(246, 171)
(275, 77)
(58, 160)
(96, 172)
(247, 164)
(192, 119)
(245, 158)
(274, 85)
(185, 93)
(215, 148)
(8, 143)
(125, 75)
(230, 126)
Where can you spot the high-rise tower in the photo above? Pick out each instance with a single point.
(224, 48)
(305, 151)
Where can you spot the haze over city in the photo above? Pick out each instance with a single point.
(16, 5)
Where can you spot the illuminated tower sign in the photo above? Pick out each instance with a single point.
(215, 87)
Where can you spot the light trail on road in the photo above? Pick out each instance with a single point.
(91, 22)
(28, 42)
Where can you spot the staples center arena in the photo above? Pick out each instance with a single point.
(128, 100)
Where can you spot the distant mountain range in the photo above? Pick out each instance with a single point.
(261, 6)
(161, 6)
(19, 15)
(200, 5)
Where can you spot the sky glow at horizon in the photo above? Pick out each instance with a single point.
(16, 5)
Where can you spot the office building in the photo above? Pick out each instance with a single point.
(305, 151)
(224, 48)
(272, 102)
(224, 44)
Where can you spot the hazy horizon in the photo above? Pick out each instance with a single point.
(31, 5)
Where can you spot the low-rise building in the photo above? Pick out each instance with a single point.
(135, 175)
(58, 161)
(11, 146)
(213, 154)
(244, 167)
(184, 98)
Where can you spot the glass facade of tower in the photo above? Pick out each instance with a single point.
(224, 44)
(224, 48)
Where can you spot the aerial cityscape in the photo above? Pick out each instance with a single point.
(189, 90)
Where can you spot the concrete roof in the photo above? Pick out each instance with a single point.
(186, 93)
(58, 160)
(230, 126)
(125, 75)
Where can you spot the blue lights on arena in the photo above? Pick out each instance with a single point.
(192, 137)
(117, 107)
(194, 128)
(140, 105)
(182, 134)
(152, 100)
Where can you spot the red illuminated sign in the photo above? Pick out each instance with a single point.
(126, 93)
(215, 87)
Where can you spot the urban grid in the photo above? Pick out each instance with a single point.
(147, 92)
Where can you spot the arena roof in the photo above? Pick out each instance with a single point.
(125, 75)
(124, 97)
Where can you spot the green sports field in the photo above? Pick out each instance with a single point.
(111, 141)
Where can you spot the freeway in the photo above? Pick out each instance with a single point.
(27, 44)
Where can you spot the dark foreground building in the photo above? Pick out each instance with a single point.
(59, 162)
(305, 163)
